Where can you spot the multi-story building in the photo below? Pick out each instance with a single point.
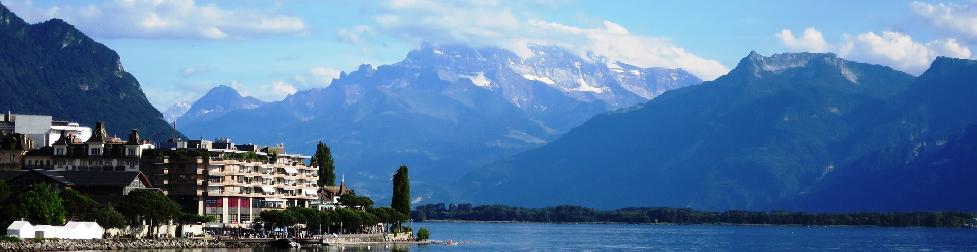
(233, 183)
(99, 153)
(41, 128)
(13, 147)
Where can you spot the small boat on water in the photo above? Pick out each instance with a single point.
(285, 243)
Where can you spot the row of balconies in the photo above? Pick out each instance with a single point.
(253, 174)
(218, 160)
(237, 184)
(261, 194)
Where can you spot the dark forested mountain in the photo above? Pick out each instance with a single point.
(799, 130)
(52, 68)
(918, 154)
(443, 110)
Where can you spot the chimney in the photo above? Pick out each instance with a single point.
(99, 136)
(133, 137)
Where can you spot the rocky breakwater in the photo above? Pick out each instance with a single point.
(107, 244)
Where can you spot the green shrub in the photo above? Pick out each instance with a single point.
(9, 239)
(423, 234)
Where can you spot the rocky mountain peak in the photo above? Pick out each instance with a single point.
(758, 65)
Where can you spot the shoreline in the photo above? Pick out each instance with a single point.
(187, 243)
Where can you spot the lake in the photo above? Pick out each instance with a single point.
(576, 237)
(602, 237)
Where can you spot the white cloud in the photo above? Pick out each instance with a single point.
(187, 72)
(280, 89)
(811, 41)
(894, 49)
(324, 75)
(488, 23)
(954, 19)
(164, 19)
(899, 50)
(354, 34)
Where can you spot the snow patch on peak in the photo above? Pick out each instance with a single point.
(479, 79)
(542, 79)
(845, 71)
(585, 87)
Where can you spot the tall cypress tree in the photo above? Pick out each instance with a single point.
(401, 193)
(327, 169)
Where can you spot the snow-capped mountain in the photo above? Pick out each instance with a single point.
(616, 84)
(176, 111)
(443, 110)
(215, 103)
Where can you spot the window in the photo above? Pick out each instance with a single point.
(132, 151)
(96, 151)
(59, 152)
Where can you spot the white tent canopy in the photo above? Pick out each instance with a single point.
(21, 229)
(72, 230)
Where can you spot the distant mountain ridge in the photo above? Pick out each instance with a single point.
(443, 110)
(789, 131)
(176, 111)
(215, 103)
(51, 68)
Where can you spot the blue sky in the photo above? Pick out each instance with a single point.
(268, 49)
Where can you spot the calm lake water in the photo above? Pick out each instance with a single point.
(615, 237)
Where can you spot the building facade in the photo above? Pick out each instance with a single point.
(41, 129)
(13, 148)
(233, 183)
(98, 153)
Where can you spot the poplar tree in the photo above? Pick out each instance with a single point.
(401, 191)
(327, 169)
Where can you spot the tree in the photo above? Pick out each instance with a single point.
(4, 191)
(150, 206)
(187, 218)
(423, 234)
(279, 218)
(327, 168)
(401, 191)
(352, 200)
(40, 205)
(107, 217)
(78, 206)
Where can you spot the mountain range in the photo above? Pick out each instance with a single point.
(51, 68)
(443, 110)
(794, 131)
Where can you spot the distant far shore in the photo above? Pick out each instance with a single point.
(660, 223)
(684, 216)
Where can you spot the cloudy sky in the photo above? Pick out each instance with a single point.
(179, 49)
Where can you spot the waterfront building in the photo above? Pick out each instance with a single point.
(231, 182)
(100, 152)
(329, 196)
